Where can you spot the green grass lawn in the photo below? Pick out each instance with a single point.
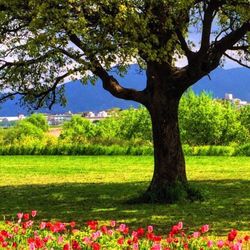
(82, 188)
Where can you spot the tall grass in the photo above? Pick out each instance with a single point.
(88, 149)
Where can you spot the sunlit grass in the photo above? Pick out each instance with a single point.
(83, 188)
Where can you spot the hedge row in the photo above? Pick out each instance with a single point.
(69, 149)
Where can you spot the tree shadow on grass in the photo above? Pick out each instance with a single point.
(226, 205)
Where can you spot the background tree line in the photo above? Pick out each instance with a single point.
(203, 121)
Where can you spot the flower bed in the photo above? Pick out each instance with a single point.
(25, 233)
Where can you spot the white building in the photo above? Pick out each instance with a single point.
(102, 114)
(236, 101)
(12, 118)
(8, 121)
(228, 96)
(90, 115)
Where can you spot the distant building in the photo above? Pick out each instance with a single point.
(102, 114)
(90, 115)
(228, 96)
(55, 119)
(236, 101)
(8, 121)
(58, 119)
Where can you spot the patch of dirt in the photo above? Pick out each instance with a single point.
(55, 131)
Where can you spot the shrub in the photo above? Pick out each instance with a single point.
(206, 121)
(243, 150)
(77, 130)
(88, 149)
(39, 121)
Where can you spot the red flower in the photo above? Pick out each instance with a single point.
(66, 247)
(210, 243)
(175, 229)
(157, 238)
(122, 227)
(150, 236)
(87, 241)
(72, 224)
(92, 224)
(129, 241)
(196, 235)
(231, 236)
(150, 229)
(156, 247)
(220, 243)
(4, 244)
(96, 246)
(126, 230)
(42, 225)
(14, 245)
(4, 233)
(46, 239)
(246, 238)
(140, 232)
(19, 216)
(170, 239)
(75, 245)
(27, 224)
(120, 241)
(104, 229)
(205, 228)
(33, 213)
(57, 227)
(135, 239)
(26, 216)
(112, 223)
(39, 243)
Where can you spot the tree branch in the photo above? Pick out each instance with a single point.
(6, 96)
(235, 60)
(232, 38)
(27, 62)
(188, 52)
(109, 82)
(75, 57)
(240, 47)
(113, 86)
(52, 89)
(207, 24)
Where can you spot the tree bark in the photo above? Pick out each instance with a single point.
(169, 165)
(169, 182)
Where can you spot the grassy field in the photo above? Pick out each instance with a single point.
(83, 188)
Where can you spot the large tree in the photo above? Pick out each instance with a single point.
(44, 42)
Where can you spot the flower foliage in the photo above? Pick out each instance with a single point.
(25, 233)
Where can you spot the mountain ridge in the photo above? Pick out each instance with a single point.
(95, 98)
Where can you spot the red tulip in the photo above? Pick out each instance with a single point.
(33, 213)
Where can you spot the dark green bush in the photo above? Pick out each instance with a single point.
(74, 149)
(243, 150)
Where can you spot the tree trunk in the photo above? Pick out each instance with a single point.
(169, 182)
(169, 164)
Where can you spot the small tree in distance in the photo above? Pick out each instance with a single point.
(44, 42)
(39, 121)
